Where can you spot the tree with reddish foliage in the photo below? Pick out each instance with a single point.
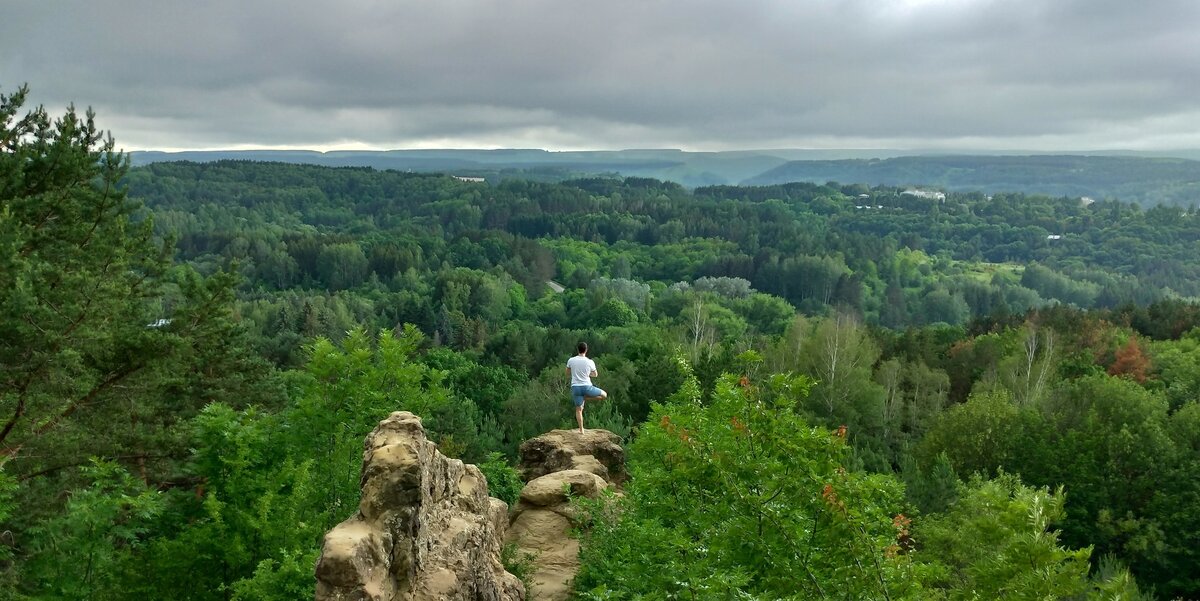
(1131, 361)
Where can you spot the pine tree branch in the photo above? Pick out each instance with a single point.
(51, 470)
(22, 391)
(86, 399)
(12, 422)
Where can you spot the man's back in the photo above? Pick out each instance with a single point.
(581, 370)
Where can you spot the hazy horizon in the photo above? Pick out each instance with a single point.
(1188, 153)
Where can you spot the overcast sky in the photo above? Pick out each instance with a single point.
(610, 74)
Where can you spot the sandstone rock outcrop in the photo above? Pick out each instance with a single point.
(556, 464)
(595, 451)
(425, 528)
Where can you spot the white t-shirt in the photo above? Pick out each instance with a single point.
(581, 370)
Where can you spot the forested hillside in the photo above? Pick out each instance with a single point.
(687, 168)
(1148, 181)
(831, 391)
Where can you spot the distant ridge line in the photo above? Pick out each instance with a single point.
(1147, 178)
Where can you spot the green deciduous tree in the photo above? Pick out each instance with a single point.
(983, 435)
(1029, 373)
(613, 312)
(342, 265)
(996, 542)
(839, 355)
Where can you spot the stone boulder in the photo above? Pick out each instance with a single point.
(425, 528)
(595, 451)
(553, 489)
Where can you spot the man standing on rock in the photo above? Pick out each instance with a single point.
(582, 370)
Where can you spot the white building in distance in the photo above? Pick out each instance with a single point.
(930, 194)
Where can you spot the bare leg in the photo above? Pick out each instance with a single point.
(579, 417)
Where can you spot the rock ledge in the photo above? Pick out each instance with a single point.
(592, 451)
(555, 465)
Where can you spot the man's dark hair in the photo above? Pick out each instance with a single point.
(581, 347)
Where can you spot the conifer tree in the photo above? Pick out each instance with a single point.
(77, 274)
(102, 340)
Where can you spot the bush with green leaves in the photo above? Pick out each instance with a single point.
(519, 563)
(503, 480)
(84, 552)
(740, 498)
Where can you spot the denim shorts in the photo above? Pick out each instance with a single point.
(583, 390)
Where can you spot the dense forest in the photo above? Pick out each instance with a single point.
(827, 391)
(895, 259)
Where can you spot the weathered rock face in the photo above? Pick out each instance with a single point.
(425, 528)
(555, 463)
(595, 451)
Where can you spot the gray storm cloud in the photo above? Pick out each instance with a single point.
(1062, 74)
